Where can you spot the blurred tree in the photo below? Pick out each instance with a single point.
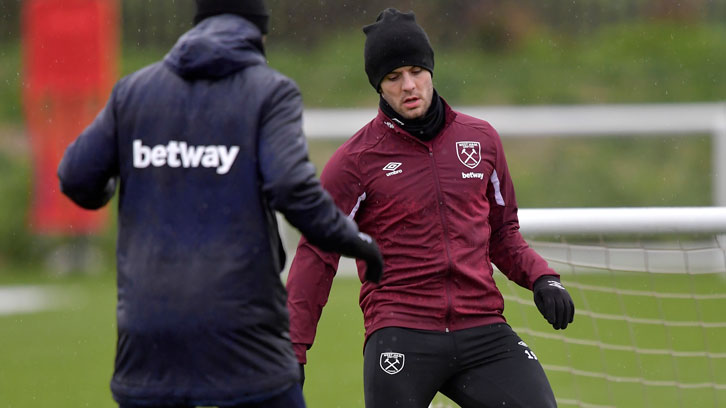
(677, 10)
(9, 20)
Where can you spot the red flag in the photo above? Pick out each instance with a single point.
(69, 58)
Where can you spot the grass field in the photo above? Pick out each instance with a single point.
(63, 357)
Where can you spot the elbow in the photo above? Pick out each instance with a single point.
(88, 198)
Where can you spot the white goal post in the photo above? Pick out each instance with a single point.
(623, 220)
(671, 119)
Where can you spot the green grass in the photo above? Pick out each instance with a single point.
(64, 358)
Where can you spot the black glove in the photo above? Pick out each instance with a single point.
(553, 301)
(365, 248)
(302, 374)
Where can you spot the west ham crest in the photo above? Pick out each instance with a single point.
(469, 153)
(392, 363)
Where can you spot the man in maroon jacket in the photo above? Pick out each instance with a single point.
(432, 187)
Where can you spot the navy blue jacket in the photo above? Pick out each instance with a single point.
(207, 144)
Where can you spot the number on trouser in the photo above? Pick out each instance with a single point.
(530, 354)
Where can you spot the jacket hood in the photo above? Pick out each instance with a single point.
(216, 47)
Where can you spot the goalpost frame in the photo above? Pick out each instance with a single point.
(673, 119)
(623, 220)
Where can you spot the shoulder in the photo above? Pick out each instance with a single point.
(142, 74)
(473, 123)
(349, 154)
(138, 81)
(271, 88)
(475, 128)
(266, 77)
(366, 139)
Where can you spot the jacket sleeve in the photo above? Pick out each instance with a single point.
(288, 178)
(312, 271)
(507, 248)
(89, 167)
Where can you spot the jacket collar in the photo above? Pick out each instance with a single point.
(384, 124)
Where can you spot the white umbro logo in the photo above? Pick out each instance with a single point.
(555, 284)
(392, 168)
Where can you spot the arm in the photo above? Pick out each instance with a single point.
(508, 249)
(288, 178)
(89, 167)
(513, 256)
(308, 288)
(312, 271)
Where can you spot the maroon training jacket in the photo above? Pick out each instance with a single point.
(441, 211)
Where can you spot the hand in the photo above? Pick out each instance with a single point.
(553, 301)
(302, 374)
(365, 248)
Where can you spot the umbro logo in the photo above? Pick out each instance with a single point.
(392, 169)
(555, 284)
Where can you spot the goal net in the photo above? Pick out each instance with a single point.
(649, 287)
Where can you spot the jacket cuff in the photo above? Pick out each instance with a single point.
(300, 352)
(542, 279)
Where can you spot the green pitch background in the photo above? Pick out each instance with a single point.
(63, 357)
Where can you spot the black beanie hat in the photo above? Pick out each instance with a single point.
(393, 41)
(252, 10)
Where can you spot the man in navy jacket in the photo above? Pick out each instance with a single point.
(206, 145)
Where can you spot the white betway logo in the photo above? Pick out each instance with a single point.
(179, 154)
(472, 175)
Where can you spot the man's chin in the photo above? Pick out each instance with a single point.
(412, 114)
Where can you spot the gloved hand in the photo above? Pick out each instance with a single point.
(365, 248)
(302, 374)
(553, 301)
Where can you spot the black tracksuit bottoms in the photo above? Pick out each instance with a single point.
(481, 367)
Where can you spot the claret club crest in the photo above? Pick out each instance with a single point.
(469, 153)
(392, 363)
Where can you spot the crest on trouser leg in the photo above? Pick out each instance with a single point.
(392, 363)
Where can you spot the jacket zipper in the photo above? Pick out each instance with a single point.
(440, 201)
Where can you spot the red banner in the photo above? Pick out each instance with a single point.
(69, 58)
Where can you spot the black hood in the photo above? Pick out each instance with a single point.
(216, 47)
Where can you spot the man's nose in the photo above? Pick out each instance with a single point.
(408, 82)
